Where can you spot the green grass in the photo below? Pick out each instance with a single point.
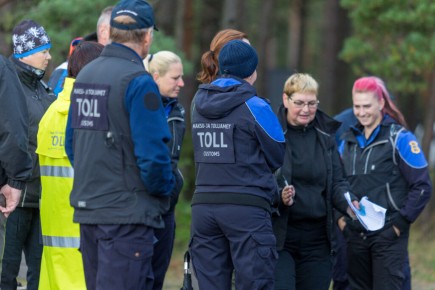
(422, 254)
(182, 232)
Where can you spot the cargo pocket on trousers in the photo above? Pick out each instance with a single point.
(137, 261)
(135, 252)
(266, 259)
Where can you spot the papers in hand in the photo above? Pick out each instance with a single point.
(370, 215)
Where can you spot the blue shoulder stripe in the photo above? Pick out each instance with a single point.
(225, 82)
(410, 151)
(264, 116)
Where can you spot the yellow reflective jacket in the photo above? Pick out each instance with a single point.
(61, 266)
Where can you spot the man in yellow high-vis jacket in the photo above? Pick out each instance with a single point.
(62, 266)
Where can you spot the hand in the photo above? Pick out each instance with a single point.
(396, 230)
(12, 196)
(341, 223)
(288, 194)
(350, 211)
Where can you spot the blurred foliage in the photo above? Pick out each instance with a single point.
(66, 20)
(393, 39)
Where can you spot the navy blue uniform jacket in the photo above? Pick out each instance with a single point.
(238, 143)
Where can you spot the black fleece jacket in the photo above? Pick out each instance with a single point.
(335, 182)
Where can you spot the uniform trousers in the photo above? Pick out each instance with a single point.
(305, 262)
(163, 249)
(227, 237)
(339, 275)
(375, 261)
(23, 233)
(117, 256)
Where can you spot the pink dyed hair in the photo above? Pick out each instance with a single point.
(377, 86)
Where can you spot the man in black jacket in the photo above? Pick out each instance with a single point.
(15, 161)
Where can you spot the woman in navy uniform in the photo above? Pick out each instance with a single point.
(167, 71)
(237, 144)
(384, 162)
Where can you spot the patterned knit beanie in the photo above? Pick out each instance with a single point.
(238, 58)
(28, 37)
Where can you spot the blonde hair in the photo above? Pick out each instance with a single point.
(159, 62)
(300, 83)
(123, 36)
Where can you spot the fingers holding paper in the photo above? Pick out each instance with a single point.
(370, 215)
(350, 211)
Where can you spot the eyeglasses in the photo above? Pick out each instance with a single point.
(301, 104)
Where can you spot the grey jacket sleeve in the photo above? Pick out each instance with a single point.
(15, 160)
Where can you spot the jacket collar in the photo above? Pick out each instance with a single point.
(122, 51)
(27, 73)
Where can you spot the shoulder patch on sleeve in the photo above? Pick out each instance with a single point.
(410, 151)
(151, 101)
(264, 116)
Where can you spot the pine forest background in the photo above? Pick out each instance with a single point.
(336, 41)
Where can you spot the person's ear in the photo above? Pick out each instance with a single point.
(381, 104)
(149, 37)
(156, 77)
(285, 100)
(146, 42)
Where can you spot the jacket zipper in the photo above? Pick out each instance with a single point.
(390, 197)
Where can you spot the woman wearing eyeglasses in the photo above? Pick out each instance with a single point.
(304, 227)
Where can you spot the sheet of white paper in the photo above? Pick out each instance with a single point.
(370, 215)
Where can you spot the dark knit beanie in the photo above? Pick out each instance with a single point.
(238, 58)
(28, 37)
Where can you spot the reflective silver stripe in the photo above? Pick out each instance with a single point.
(57, 171)
(61, 242)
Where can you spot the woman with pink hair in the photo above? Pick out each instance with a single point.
(384, 162)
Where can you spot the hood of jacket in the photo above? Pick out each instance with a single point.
(222, 96)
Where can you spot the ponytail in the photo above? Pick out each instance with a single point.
(209, 60)
(209, 66)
